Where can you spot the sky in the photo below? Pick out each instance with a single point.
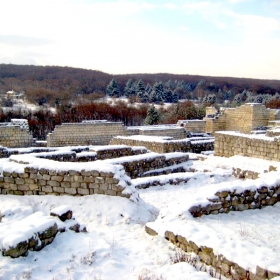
(237, 38)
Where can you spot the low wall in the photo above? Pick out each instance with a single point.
(69, 179)
(15, 136)
(85, 133)
(166, 146)
(231, 143)
(137, 166)
(225, 201)
(195, 126)
(176, 132)
(207, 255)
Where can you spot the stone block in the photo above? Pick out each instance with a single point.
(57, 178)
(23, 187)
(70, 191)
(53, 183)
(150, 231)
(83, 191)
(47, 189)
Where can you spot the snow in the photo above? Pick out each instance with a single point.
(251, 136)
(146, 138)
(60, 210)
(154, 127)
(117, 246)
(12, 234)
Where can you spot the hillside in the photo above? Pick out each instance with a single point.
(53, 84)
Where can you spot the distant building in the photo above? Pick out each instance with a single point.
(13, 95)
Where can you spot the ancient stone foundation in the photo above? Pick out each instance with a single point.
(86, 133)
(15, 136)
(70, 181)
(173, 131)
(228, 144)
(226, 201)
(194, 126)
(207, 255)
(245, 118)
(195, 145)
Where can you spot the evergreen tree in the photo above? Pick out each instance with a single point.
(153, 116)
(140, 89)
(159, 89)
(113, 89)
(168, 96)
(153, 96)
(148, 89)
(175, 97)
(170, 85)
(129, 88)
(145, 98)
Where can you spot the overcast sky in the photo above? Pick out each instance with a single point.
(239, 38)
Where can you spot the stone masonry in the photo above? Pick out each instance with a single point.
(174, 131)
(228, 144)
(34, 181)
(228, 268)
(14, 136)
(194, 126)
(86, 133)
(245, 118)
(195, 145)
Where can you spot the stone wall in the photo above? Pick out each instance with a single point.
(86, 133)
(176, 132)
(15, 136)
(230, 143)
(137, 166)
(225, 201)
(245, 118)
(207, 255)
(195, 126)
(66, 180)
(167, 146)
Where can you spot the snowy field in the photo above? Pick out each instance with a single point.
(116, 245)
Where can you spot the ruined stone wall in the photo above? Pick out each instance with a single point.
(167, 146)
(14, 136)
(87, 133)
(244, 118)
(230, 144)
(229, 269)
(226, 201)
(196, 126)
(217, 123)
(157, 130)
(274, 114)
(44, 181)
(137, 166)
(210, 111)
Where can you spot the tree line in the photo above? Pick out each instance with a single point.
(44, 121)
(53, 85)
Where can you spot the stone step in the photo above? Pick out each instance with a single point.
(137, 166)
(160, 180)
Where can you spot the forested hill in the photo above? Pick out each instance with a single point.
(47, 84)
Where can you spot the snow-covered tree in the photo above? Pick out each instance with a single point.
(168, 96)
(140, 89)
(159, 89)
(153, 116)
(129, 88)
(113, 89)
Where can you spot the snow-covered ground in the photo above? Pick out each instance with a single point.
(116, 245)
